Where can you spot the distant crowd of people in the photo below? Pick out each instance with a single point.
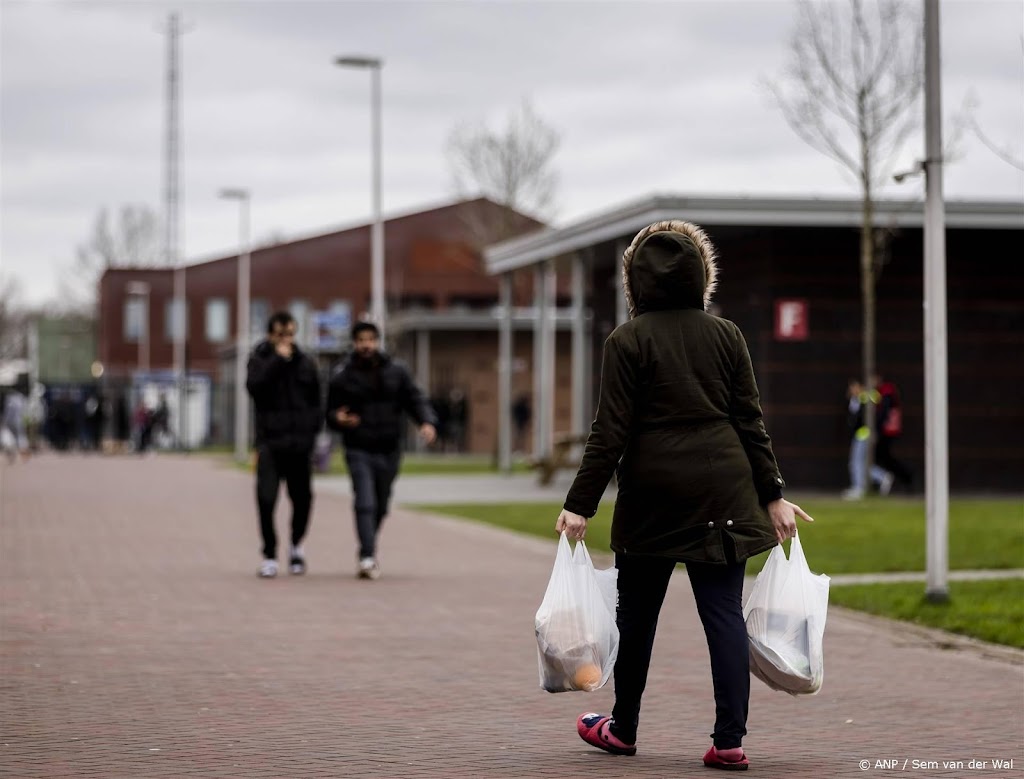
(77, 419)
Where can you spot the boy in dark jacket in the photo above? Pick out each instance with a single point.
(367, 401)
(285, 390)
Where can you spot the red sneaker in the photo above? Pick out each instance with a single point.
(713, 759)
(593, 728)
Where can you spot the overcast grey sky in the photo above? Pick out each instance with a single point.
(647, 97)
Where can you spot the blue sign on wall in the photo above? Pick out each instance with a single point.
(331, 328)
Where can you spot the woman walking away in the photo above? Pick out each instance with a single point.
(679, 415)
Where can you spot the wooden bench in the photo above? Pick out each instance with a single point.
(560, 457)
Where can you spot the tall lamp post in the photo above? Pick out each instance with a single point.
(140, 290)
(242, 323)
(377, 305)
(935, 358)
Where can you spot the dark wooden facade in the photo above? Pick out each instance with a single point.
(803, 383)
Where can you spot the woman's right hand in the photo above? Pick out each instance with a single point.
(783, 516)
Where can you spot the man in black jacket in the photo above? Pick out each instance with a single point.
(367, 401)
(285, 389)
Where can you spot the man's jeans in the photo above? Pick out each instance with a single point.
(372, 473)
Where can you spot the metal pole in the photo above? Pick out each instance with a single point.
(423, 369)
(548, 351)
(935, 357)
(242, 333)
(378, 305)
(505, 375)
(172, 226)
(144, 337)
(579, 345)
(538, 359)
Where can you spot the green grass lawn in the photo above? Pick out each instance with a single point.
(989, 610)
(875, 535)
(416, 464)
(434, 465)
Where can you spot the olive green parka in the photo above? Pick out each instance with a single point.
(678, 415)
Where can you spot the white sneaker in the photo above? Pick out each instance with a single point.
(886, 486)
(368, 568)
(297, 561)
(852, 494)
(268, 570)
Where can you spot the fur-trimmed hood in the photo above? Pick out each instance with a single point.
(669, 265)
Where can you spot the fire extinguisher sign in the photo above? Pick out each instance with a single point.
(791, 319)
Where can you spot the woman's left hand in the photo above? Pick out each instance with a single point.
(573, 525)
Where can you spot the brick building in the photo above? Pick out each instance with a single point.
(440, 302)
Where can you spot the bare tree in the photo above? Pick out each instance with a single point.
(851, 91)
(512, 167)
(133, 241)
(13, 320)
(969, 119)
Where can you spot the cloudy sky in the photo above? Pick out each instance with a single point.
(646, 96)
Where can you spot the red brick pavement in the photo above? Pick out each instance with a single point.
(138, 642)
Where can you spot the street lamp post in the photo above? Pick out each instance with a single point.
(935, 358)
(140, 289)
(242, 323)
(377, 304)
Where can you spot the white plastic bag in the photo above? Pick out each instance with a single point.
(577, 639)
(785, 616)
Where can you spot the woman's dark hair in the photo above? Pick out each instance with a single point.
(282, 318)
(363, 327)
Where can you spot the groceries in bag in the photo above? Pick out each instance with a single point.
(785, 616)
(577, 639)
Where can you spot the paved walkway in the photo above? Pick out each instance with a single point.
(470, 488)
(136, 641)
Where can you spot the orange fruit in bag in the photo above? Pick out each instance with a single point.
(587, 677)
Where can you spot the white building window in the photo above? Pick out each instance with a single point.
(173, 320)
(259, 314)
(218, 320)
(134, 319)
(299, 309)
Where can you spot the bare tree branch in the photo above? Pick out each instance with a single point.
(133, 242)
(12, 320)
(511, 167)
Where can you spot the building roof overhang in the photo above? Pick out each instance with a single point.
(475, 321)
(628, 219)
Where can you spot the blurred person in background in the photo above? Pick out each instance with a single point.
(888, 428)
(35, 418)
(122, 423)
(15, 410)
(92, 425)
(679, 417)
(285, 387)
(860, 438)
(162, 423)
(367, 401)
(521, 415)
(142, 423)
(458, 416)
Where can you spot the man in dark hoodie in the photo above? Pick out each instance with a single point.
(367, 401)
(285, 389)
